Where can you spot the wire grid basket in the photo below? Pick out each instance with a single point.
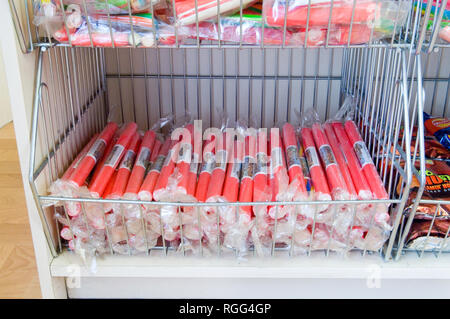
(434, 98)
(400, 26)
(72, 103)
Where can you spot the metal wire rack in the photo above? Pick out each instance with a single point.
(397, 20)
(79, 89)
(434, 79)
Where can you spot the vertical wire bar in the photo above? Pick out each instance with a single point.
(291, 250)
(200, 230)
(110, 27)
(131, 24)
(438, 207)
(88, 22)
(59, 118)
(119, 80)
(329, 24)
(219, 248)
(132, 83)
(71, 98)
(274, 236)
(147, 105)
(124, 223)
(351, 23)
(65, 24)
(163, 237)
(313, 229)
(181, 230)
(307, 24)
(329, 81)
(144, 228)
(108, 234)
(334, 207)
(289, 93)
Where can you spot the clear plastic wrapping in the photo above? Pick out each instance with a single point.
(185, 11)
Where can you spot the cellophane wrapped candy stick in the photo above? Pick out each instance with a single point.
(365, 160)
(111, 163)
(84, 168)
(78, 158)
(62, 187)
(297, 187)
(261, 193)
(149, 183)
(236, 236)
(334, 176)
(279, 180)
(319, 182)
(125, 167)
(370, 172)
(358, 178)
(160, 192)
(293, 160)
(109, 147)
(184, 162)
(223, 150)
(223, 146)
(95, 211)
(141, 163)
(329, 132)
(230, 191)
(206, 169)
(247, 172)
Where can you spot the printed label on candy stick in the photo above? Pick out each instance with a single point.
(185, 153)
(193, 168)
(208, 164)
(143, 157)
(261, 164)
(166, 159)
(221, 160)
(128, 160)
(97, 149)
(327, 155)
(114, 156)
(247, 168)
(235, 170)
(311, 157)
(304, 167)
(362, 153)
(158, 164)
(292, 156)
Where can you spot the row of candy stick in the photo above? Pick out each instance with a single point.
(317, 162)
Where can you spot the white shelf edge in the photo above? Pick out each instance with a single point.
(352, 267)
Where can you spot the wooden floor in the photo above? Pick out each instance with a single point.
(18, 273)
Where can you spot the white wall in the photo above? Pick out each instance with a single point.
(5, 105)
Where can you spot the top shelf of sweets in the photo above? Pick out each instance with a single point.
(229, 23)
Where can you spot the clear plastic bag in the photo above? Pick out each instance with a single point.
(343, 12)
(101, 31)
(185, 11)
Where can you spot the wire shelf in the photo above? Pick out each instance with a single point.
(218, 24)
(73, 103)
